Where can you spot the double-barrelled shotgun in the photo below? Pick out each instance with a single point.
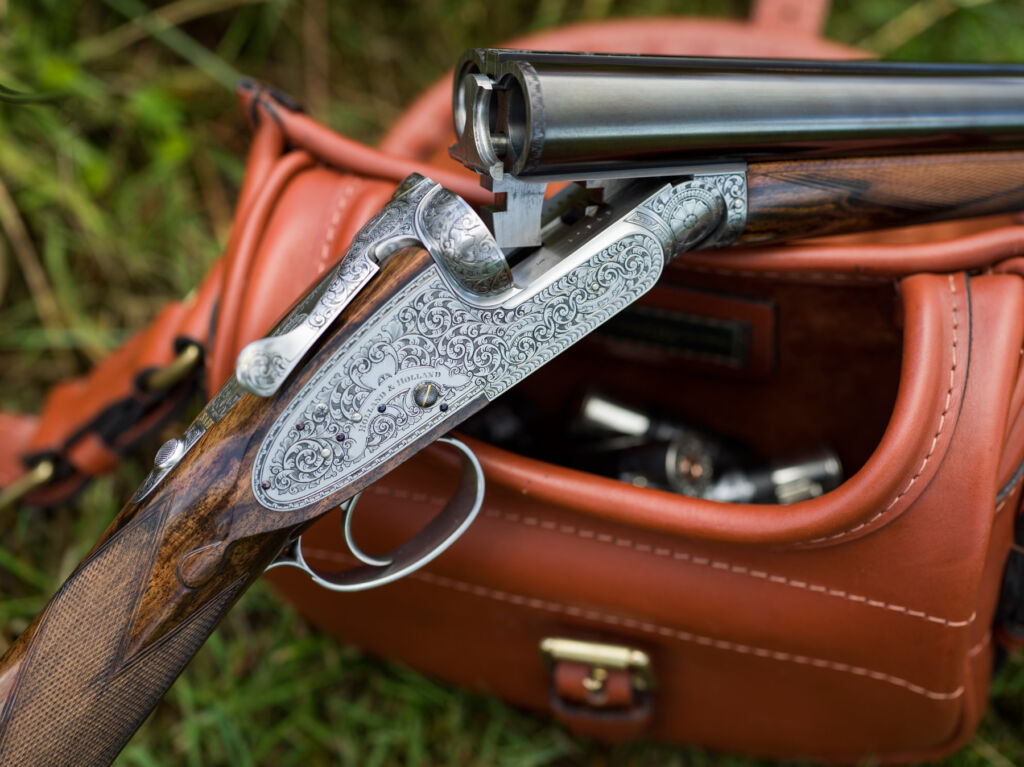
(437, 309)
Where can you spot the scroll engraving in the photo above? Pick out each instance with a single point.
(359, 409)
(264, 364)
(707, 211)
(462, 244)
(436, 338)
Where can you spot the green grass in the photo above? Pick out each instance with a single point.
(117, 197)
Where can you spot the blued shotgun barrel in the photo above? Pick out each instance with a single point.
(563, 115)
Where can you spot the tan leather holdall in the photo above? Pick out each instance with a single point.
(858, 624)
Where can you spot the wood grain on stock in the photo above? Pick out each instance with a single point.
(79, 681)
(812, 198)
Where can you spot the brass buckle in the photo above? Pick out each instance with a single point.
(38, 475)
(174, 372)
(165, 378)
(600, 657)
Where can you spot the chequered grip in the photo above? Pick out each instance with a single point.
(77, 696)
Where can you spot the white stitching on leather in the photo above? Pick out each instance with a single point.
(684, 556)
(684, 636)
(931, 449)
(1009, 495)
(657, 630)
(681, 556)
(1002, 504)
(339, 207)
(982, 644)
(406, 495)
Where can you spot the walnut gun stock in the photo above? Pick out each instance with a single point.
(79, 681)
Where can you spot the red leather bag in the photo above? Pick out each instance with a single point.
(857, 624)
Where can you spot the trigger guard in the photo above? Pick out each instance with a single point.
(441, 532)
(346, 527)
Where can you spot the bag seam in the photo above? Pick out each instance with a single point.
(342, 203)
(689, 636)
(1009, 492)
(935, 438)
(684, 556)
(667, 631)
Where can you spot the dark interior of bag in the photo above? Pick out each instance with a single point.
(772, 369)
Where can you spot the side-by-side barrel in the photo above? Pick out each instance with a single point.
(563, 115)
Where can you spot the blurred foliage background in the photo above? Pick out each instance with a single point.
(117, 195)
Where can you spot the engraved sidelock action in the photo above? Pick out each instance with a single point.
(465, 345)
(458, 335)
(507, 292)
(464, 330)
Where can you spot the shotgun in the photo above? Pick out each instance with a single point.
(438, 308)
